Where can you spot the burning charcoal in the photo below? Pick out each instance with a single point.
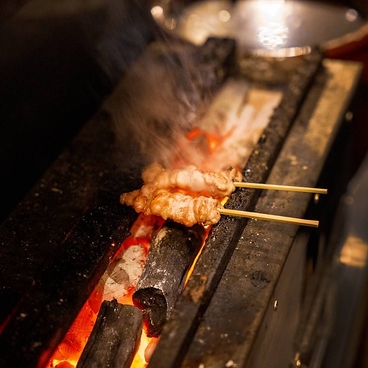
(171, 253)
(114, 338)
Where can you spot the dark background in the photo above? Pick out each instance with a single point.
(58, 61)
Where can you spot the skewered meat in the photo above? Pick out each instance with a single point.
(177, 206)
(213, 184)
(162, 194)
(140, 199)
(185, 209)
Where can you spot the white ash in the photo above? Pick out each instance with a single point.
(237, 117)
(123, 274)
(144, 227)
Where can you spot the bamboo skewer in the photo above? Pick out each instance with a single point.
(276, 218)
(289, 188)
(264, 216)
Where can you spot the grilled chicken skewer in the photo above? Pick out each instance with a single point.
(177, 206)
(189, 211)
(163, 195)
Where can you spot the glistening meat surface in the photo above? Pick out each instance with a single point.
(188, 196)
(214, 184)
(177, 206)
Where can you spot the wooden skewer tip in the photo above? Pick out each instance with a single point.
(268, 217)
(290, 188)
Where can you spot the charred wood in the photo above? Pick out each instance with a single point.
(171, 254)
(115, 337)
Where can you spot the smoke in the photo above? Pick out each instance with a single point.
(160, 86)
(160, 99)
(126, 31)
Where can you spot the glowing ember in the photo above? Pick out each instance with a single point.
(76, 338)
(69, 351)
(145, 350)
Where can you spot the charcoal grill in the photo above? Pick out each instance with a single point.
(246, 298)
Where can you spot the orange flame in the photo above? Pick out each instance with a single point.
(70, 349)
(76, 338)
(211, 140)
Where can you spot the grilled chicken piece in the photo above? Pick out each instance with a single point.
(188, 196)
(180, 207)
(185, 209)
(212, 184)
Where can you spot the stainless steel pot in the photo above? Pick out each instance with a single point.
(267, 27)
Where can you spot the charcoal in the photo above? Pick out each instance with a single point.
(171, 253)
(115, 337)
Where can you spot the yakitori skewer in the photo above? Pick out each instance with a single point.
(268, 217)
(190, 196)
(289, 188)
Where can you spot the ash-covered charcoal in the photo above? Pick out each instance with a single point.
(171, 253)
(215, 60)
(123, 274)
(163, 94)
(115, 337)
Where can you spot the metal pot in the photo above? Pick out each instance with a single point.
(268, 27)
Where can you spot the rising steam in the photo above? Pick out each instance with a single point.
(158, 101)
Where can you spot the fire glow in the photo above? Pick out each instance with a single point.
(235, 119)
(69, 351)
